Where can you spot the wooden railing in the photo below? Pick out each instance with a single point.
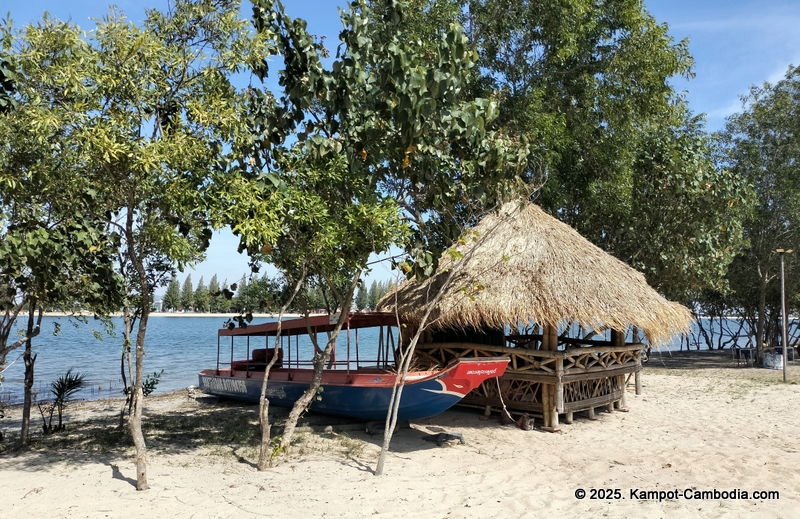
(576, 377)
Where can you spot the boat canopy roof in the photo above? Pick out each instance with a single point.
(317, 323)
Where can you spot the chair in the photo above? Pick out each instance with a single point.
(742, 355)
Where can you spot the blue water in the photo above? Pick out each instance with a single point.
(181, 346)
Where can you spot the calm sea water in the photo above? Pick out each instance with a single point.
(181, 346)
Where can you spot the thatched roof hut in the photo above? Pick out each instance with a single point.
(526, 266)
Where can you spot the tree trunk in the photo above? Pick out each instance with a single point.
(146, 295)
(31, 331)
(7, 325)
(304, 401)
(126, 355)
(265, 453)
(138, 401)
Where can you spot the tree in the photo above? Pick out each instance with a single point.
(372, 296)
(689, 210)
(241, 301)
(263, 294)
(172, 297)
(159, 109)
(187, 294)
(202, 300)
(222, 302)
(384, 131)
(54, 250)
(362, 297)
(213, 293)
(762, 143)
(589, 84)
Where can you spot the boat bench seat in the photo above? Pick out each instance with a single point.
(259, 359)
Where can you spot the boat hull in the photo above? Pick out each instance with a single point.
(364, 394)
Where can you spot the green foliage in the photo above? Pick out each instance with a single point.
(679, 217)
(626, 164)
(149, 384)
(377, 290)
(385, 129)
(8, 72)
(187, 294)
(55, 249)
(762, 145)
(362, 297)
(202, 300)
(222, 301)
(213, 293)
(62, 389)
(172, 297)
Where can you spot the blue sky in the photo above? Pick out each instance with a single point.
(735, 43)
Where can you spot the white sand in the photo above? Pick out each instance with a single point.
(699, 428)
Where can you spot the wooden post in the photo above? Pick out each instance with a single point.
(623, 402)
(553, 409)
(550, 392)
(546, 401)
(568, 417)
(547, 338)
(637, 377)
(590, 412)
(559, 403)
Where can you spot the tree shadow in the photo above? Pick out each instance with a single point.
(116, 474)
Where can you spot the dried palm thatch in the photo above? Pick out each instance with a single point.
(525, 266)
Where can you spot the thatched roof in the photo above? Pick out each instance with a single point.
(527, 266)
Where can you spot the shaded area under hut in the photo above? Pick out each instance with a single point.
(529, 287)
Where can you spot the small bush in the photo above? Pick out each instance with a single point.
(62, 389)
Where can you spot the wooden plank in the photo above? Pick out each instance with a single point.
(545, 378)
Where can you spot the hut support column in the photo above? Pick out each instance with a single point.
(552, 394)
(637, 376)
(618, 339)
(623, 402)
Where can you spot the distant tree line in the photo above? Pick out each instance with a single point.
(367, 299)
(259, 295)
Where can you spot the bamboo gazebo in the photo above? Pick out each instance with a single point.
(531, 288)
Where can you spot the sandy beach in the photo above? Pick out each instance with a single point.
(701, 425)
